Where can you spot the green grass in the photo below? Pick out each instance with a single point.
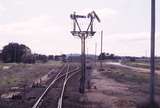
(138, 81)
(123, 76)
(142, 65)
(18, 74)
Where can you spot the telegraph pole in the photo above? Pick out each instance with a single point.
(83, 35)
(95, 53)
(101, 68)
(152, 59)
(87, 53)
(15, 54)
(71, 57)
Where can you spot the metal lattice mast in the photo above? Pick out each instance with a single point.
(83, 35)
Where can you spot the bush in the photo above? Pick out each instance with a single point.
(14, 52)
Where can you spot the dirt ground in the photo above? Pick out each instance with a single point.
(120, 87)
(17, 79)
(117, 86)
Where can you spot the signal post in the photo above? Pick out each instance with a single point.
(83, 35)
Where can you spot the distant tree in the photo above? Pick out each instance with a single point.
(111, 56)
(107, 54)
(0, 55)
(14, 52)
(63, 57)
(56, 57)
(60, 57)
(43, 58)
(102, 56)
(50, 57)
(29, 59)
(36, 56)
(132, 59)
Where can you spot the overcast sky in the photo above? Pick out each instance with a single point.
(45, 25)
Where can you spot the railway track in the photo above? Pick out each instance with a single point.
(67, 72)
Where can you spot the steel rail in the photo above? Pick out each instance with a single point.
(58, 76)
(43, 94)
(61, 96)
(60, 100)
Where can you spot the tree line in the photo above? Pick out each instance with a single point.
(104, 56)
(20, 53)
